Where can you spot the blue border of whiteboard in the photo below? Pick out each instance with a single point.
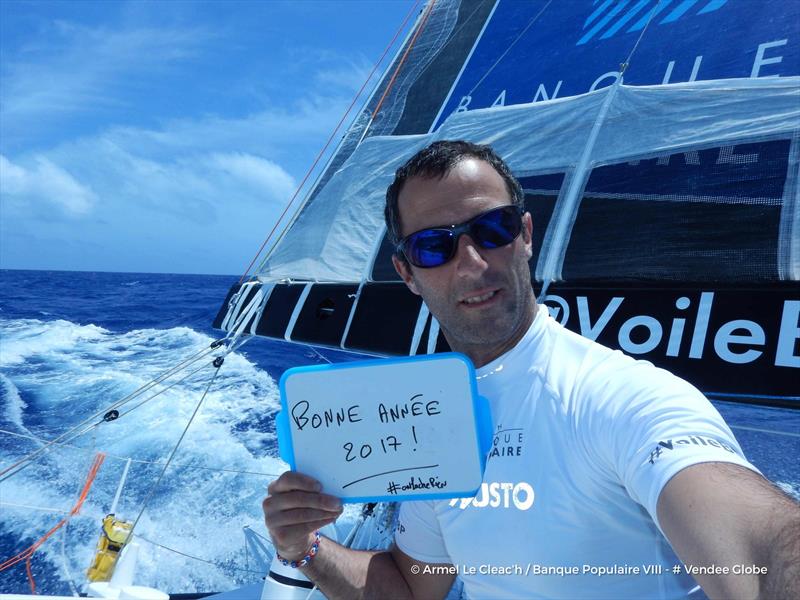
(481, 413)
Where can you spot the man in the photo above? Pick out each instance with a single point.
(625, 461)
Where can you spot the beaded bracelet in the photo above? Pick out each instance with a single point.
(312, 552)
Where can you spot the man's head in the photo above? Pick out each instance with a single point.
(481, 295)
(435, 161)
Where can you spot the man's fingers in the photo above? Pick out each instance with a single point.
(299, 516)
(290, 481)
(296, 499)
(294, 509)
(294, 539)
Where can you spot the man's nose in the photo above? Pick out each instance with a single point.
(469, 259)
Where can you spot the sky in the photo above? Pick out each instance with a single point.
(167, 137)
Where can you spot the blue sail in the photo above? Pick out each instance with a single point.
(657, 143)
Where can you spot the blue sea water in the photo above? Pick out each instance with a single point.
(72, 343)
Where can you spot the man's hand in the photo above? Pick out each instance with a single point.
(294, 509)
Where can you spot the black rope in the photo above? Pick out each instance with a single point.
(71, 435)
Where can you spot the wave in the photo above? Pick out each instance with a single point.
(67, 372)
(25, 338)
(12, 402)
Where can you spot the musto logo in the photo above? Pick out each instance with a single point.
(499, 495)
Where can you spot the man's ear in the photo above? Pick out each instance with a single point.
(404, 270)
(527, 233)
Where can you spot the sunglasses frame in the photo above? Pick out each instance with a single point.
(456, 231)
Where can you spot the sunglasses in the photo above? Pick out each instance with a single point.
(433, 247)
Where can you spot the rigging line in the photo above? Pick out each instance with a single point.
(255, 533)
(39, 508)
(36, 454)
(174, 450)
(466, 21)
(256, 307)
(624, 66)
(315, 351)
(140, 460)
(411, 43)
(760, 430)
(548, 268)
(127, 398)
(65, 563)
(25, 555)
(159, 392)
(210, 562)
(328, 143)
(453, 35)
(503, 55)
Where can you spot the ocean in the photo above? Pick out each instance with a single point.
(72, 343)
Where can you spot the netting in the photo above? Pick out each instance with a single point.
(693, 181)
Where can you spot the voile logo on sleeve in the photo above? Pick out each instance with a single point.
(689, 440)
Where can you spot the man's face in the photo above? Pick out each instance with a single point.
(481, 298)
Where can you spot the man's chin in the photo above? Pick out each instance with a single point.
(480, 333)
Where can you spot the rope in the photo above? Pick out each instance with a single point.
(572, 198)
(624, 66)
(27, 554)
(174, 450)
(760, 430)
(203, 560)
(170, 386)
(507, 50)
(136, 460)
(423, 21)
(71, 434)
(65, 563)
(327, 143)
(39, 508)
(317, 352)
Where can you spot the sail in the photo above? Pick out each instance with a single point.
(658, 144)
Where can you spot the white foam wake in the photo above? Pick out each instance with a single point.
(218, 477)
(12, 403)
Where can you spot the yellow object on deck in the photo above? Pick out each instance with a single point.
(113, 537)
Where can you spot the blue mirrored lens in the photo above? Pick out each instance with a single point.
(496, 228)
(430, 248)
(493, 229)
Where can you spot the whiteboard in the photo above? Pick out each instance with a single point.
(387, 429)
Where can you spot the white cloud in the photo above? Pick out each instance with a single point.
(82, 134)
(80, 70)
(347, 74)
(254, 171)
(276, 131)
(45, 182)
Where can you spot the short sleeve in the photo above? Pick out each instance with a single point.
(658, 425)
(418, 533)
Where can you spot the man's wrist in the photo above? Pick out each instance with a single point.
(304, 558)
(298, 551)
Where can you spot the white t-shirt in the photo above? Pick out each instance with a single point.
(585, 440)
